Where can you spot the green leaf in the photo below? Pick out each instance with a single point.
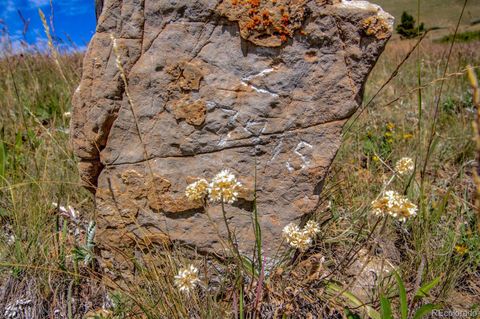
(350, 314)
(3, 213)
(249, 267)
(18, 141)
(385, 308)
(335, 289)
(425, 310)
(403, 296)
(62, 245)
(425, 289)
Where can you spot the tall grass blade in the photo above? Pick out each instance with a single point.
(403, 297)
(242, 306)
(52, 48)
(70, 300)
(257, 228)
(425, 310)
(3, 160)
(472, 78)
(385, 308)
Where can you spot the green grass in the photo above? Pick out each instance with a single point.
(437, 250)
(466, 36)
(434, 13)
(391, 129)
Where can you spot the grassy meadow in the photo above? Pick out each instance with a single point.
(418, 103)
(434, 13)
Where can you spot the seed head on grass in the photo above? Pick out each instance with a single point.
(187, 279)
(197, 191)
(395, 205)
(404, 166)
(116, 50)
(224, 187)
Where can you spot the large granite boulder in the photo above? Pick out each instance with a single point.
(215, 85)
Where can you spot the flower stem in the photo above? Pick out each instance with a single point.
(229, 234)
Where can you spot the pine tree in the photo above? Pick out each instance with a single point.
(407, 28)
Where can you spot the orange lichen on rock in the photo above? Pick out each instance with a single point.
(193, 113)
(375, 26)
(156, 190)
(265, 23)
(188, 76)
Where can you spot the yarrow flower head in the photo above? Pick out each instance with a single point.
(301, 239)
(197, 190)
(404, 166)
(187, 279)
(394, 205)
(311, 228)
(224, 187)
(296, 238)
(290, 231)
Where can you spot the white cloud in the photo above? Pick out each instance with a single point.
(75, 7)
(8, 8)
(38, 3)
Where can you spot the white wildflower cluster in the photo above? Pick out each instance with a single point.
(83, 252)
(224, 187)
(311, 228)
(71, 214)
(187, 279)
(394, 205)
(301, 238)
(404, 166)
(21, 308)
(197, 190)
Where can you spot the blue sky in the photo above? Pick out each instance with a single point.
(71, 18)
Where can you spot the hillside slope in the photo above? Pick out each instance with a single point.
(434, 13)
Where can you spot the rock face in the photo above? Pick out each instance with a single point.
(216, 85)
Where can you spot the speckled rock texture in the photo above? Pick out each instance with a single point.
(216, 85)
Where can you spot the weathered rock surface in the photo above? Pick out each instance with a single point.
(217, 84)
